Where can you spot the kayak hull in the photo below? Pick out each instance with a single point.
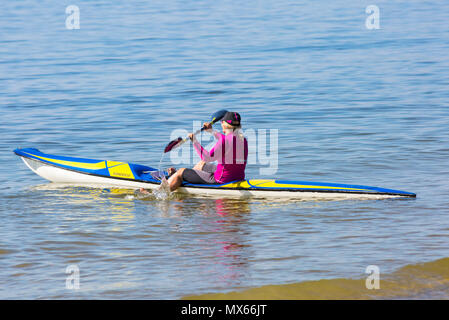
(103, 173)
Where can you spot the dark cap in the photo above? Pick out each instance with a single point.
(232, 118)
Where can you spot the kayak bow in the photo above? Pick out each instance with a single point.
(81, 171)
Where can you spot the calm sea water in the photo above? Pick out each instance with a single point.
(352, 105)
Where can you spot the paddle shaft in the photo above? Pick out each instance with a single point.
(195, 133)
(217, 116)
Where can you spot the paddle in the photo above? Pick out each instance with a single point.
(217, 116)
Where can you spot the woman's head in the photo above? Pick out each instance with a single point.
(231, 120)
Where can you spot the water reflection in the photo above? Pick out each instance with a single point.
(109, 202)
(211, 236)
(220, 235)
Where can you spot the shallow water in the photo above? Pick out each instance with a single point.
(351, 105)
(422, 281)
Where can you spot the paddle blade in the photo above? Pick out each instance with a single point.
(173, 144)
(217, 116)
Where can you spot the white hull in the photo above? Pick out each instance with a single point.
(62, 176)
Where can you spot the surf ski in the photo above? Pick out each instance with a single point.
(106, 173)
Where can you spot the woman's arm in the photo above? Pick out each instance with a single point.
(208, 127)
(214, 154)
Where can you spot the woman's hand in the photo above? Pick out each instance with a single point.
(207, 126)
(191, 136)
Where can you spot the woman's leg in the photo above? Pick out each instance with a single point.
(199, 165)
(175, 180)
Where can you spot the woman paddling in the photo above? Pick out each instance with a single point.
(230, 152)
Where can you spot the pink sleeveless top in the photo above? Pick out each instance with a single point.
(231, 154)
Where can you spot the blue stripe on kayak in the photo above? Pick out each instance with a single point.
(35, 154)
(136, 169)
(26, 152)
(339, 185)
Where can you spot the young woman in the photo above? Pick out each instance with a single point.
(230, 152)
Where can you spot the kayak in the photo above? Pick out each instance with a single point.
(106, 173)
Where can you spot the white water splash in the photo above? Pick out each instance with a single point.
(163, 191)
(160, 170)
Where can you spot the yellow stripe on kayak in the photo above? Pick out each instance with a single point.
(81, 165)
(240, 184)
(272, 184)
(120, 169)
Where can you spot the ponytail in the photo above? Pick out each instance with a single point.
(238, 132)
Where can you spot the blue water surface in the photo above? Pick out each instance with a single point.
(350, 105)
